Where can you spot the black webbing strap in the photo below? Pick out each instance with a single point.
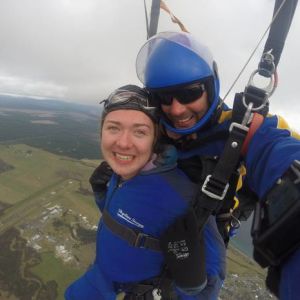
(154, 16)
(282, 18)
(132, 237)
(215, 186)
(252, 95)
(161, 286)
(255, 95)
(140, 291)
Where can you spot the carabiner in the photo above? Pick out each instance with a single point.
(268, 90)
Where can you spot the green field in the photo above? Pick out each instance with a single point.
(51, 267)
(48, 199)
(34, 170)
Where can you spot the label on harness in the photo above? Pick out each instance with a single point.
(179, 249)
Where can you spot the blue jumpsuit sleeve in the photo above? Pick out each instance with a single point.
(93, 285)
(270, 153)
(289, 288)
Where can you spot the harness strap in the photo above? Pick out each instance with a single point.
(132, 237)
(155, 9)
(140, 291)
(255, 124)
(152, 289)
(215, 186)
(283, 14)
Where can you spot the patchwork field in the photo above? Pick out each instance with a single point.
(48, 222)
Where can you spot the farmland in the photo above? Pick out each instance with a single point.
(45, 200)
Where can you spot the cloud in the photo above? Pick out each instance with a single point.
(79, 50)
(29, 87)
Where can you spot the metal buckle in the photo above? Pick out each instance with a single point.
(269, 88)
(296, 169)
(156, 293)
(211, 194)
(140, 240)
(237, 125)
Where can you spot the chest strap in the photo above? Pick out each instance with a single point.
(133, 237)
(216, 184)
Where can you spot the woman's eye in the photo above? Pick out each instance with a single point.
(140, 133)
(112, 128)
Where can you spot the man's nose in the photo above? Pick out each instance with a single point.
(124, 140)
(176, 108)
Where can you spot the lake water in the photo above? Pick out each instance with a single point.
(243, 240)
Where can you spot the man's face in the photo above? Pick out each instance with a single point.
(186, 115)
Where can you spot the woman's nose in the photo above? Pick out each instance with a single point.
(124, 140)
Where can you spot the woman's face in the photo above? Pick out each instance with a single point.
(127, 140)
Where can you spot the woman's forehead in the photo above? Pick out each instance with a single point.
(128, 116)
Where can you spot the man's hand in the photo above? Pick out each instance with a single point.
(183, 249)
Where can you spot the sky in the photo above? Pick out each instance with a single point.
(81, 50)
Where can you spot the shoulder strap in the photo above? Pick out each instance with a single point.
(216, 184)
(133, 238)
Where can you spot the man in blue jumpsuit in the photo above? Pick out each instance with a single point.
(182, 77)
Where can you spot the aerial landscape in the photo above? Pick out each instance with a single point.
(219, 81)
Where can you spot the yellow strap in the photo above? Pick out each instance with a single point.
(225, 115)
(282, 124)
(173, 18)
(236, 203)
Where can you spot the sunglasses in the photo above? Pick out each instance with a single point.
(184, 96)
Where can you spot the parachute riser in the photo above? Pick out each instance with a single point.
(255, 98)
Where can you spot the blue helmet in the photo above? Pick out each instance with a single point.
(170, 60)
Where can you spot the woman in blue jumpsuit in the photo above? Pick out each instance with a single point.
(145, 194)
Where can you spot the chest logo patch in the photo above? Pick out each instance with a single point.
(128, 219)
